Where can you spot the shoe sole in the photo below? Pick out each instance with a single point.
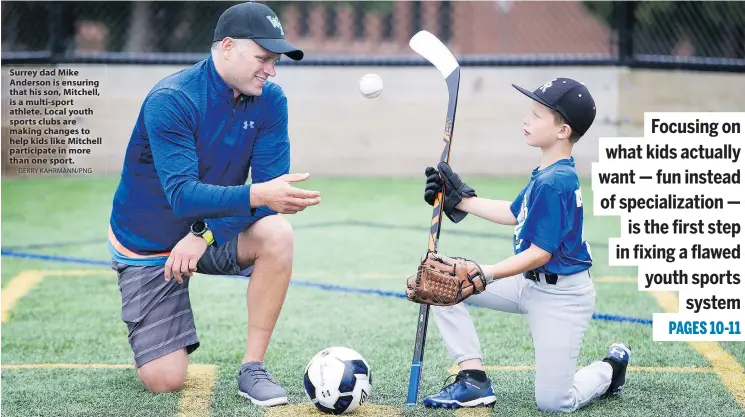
(266, 403)
(483, 401)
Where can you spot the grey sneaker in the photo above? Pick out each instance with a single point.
(257, 384)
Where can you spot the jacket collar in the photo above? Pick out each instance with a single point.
(221, 88)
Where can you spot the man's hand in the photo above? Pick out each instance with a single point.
(280, 196)
(184, 257)
(455, 190)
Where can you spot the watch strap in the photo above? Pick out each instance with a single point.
(208, 237)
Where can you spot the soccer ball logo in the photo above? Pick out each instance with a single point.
(337, 380)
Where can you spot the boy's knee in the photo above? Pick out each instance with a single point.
(554, 402)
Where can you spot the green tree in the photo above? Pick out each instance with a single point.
(713, 28)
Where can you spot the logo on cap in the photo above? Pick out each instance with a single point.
(274, 20)
(546, 86)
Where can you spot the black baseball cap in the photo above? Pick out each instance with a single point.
(568, 97)
(255, 21)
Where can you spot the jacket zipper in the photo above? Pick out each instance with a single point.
(236, 102)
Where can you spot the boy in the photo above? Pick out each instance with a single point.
(547, 279)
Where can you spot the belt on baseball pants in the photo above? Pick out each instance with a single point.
(552, 279)
(534, 275)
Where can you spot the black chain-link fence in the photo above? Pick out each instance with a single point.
(708, 34)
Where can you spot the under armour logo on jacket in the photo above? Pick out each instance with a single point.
(275, 22)
(247, 124)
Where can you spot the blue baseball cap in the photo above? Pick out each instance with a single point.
(570, 98)
(255, 21)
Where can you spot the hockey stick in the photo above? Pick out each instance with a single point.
(434, 51)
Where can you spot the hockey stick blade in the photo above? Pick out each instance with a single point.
(434, 51)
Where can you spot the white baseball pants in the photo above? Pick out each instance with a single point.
(558, 316)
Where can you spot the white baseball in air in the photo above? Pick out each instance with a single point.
(371, 85)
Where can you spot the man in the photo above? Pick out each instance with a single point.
(183, 205)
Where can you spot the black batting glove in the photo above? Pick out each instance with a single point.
(433, 185)
(455, 190)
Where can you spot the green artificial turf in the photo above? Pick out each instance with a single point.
(367, 234)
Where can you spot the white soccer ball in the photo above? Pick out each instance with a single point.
(371, 85)
(337, 380)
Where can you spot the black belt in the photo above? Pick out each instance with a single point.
(533, 276)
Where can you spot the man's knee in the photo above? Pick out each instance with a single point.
(275, 235)
(166, 374)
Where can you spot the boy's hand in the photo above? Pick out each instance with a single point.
(444, 280)
(433, 186)
(455, 190)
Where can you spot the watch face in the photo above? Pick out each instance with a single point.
(198, 226)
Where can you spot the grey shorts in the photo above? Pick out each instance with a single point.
(158, 312)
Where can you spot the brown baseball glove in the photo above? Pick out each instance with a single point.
(444, 281)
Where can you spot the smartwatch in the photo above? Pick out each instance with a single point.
(199, 228)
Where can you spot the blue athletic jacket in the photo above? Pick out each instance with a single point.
(189, 157)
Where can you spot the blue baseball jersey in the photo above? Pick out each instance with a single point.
(550, 214)
(189, 157)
